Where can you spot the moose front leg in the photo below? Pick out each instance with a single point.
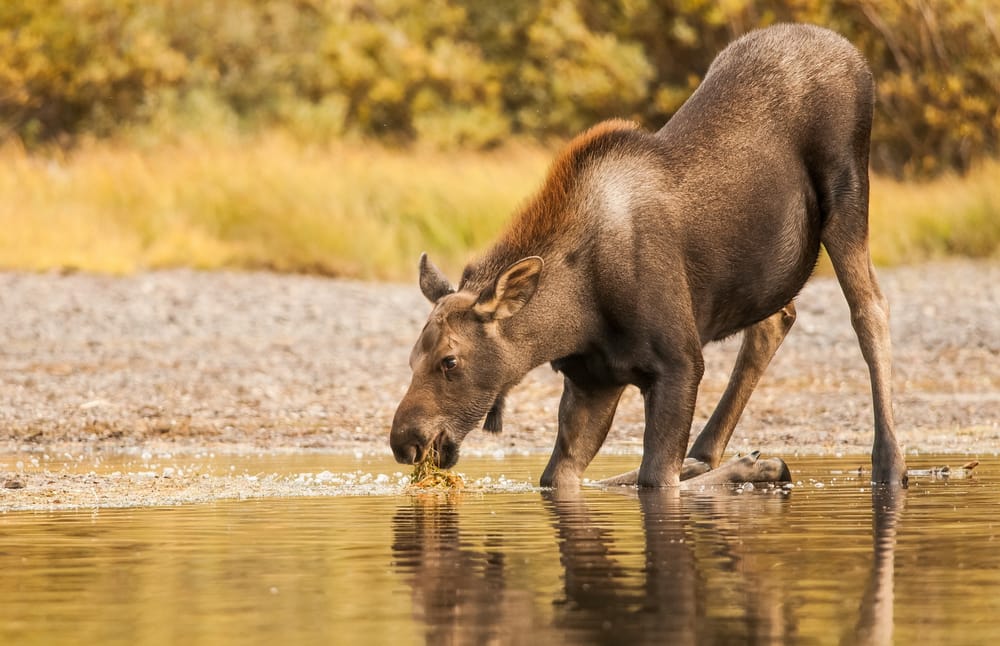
(669, 408)
(694, 474)
(690, 468)
(585, 415)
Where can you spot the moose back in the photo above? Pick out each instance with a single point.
(641, 247)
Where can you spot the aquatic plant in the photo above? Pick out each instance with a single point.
(428, 476)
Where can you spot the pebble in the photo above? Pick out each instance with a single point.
(240, 360)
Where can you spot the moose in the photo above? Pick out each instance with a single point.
(640, 248)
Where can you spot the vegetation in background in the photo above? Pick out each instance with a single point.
(949, 216)
(346, 210)
(355, 210)
(347, 136)
(466, 73)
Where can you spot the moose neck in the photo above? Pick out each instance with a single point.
(586, 194)
(556, 322)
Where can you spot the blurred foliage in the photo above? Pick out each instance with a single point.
(270, 201)
(355, 209)
(468, 73)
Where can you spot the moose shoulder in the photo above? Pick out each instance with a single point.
(640, 248)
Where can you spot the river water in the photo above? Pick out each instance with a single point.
(827, 561)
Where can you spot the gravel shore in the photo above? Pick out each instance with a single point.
(192, 361)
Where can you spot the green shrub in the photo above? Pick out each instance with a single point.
(68, 68)
(467, 73)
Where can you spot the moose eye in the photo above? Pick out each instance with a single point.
(448, 363)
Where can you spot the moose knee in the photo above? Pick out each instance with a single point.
(871, 315)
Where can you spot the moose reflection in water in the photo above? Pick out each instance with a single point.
(672, 602)
(700, 580)
(875, 615)
(459, 594)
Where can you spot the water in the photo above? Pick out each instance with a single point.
(828, 562)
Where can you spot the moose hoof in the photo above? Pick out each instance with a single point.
(560, 478)
(749, 468)
(772, 470)
(890, 470)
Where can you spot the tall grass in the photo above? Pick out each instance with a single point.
(949, 216)
(352, 209)
(361, 211)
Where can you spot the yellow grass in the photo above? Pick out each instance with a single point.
(950, 216)
(352, 209)
(361, 210)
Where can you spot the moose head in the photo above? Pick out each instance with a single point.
(463, 363)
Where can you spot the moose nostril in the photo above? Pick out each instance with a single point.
(408, 453)
(407, 442)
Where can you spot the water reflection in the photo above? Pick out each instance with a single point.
(600, 596)
(875, 614)
(460, 594)
(831, 562)
(693, 544)
(636, 567)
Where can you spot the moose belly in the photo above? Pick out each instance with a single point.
(756, 279)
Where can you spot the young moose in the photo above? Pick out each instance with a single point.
(640, 248)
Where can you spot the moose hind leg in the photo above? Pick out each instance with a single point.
(585, 416)
(846, 240)
(760, 342)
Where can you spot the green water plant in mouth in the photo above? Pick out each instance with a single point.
(428, 476)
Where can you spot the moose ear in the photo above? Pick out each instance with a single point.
(432, 282)
(514, 288)
(494, 418)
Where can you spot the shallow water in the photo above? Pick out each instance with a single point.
(828, 561)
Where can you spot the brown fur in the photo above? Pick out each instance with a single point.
(544, 219)
(546, 215)
(642, 247)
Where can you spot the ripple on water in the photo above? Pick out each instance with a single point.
(821, 563)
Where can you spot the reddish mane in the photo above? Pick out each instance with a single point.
(545, 214)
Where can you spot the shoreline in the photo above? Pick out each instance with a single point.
(258, 363)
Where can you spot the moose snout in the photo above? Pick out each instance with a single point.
(407, 439)
(417, 436)
(408, 446)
